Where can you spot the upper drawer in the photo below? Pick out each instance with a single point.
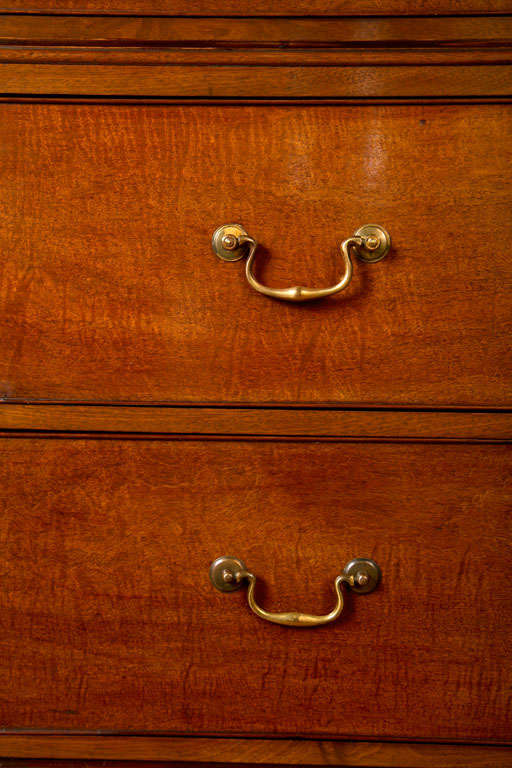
(110, 291)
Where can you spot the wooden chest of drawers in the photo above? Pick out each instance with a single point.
(158, 412)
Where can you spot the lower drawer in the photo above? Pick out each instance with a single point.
(110, 622)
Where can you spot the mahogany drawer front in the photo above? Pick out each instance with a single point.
(110, 292)
(109, 621)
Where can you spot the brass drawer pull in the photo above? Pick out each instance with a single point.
(361, 575)
(370, 243)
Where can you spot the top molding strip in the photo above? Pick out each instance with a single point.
(261, 7)
(37, 30)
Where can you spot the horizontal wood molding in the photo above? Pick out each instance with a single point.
(265, 81)
(295, 57)
(259, 32)
(258, 422)
(256, 57)
(260, 7)
(254, 751)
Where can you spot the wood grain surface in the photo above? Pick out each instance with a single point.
(258, 422)
(239, 81)
(260, 7)
(109, 290)
(109, 621)
(284, 443)
(278, 31)
(81, 751)
(419, 60)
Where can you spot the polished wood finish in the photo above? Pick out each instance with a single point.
(110, 622)
(256, 57)
(156, 414)
(243, 752)
(261, 7)
(262, 422)
(240, 81)
(319, 32)
(110, 292)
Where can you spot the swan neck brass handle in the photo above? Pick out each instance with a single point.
(362, 575)
(370, 243)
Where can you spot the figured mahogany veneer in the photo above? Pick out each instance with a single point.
(109, 290)
(109, 621)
